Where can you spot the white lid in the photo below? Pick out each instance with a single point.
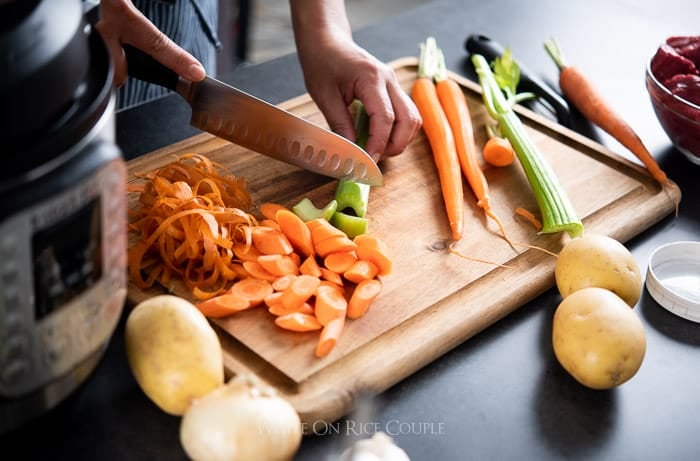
(673, 278)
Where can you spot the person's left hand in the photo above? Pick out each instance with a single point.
(122, 23)
(338, 71)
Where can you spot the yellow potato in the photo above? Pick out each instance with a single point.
(173, 351)
(598, 261)
(597, 338)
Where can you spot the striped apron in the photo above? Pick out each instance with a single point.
(192, 24)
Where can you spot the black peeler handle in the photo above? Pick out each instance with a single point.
(490, 49)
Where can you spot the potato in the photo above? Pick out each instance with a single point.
(597, 338)
(594, 260)
(173, 351)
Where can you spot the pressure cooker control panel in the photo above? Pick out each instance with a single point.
(62, 279)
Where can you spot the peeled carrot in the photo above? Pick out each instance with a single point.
(256, 270)
(330, 304)
(278, 309)
(282, 283)
(269, 240)
(321, 230)
(498, 152)
(310, 267)
(296, 231)
(371, 248)
(580, 91)
(361, 270)
(279, 265)
(442, 143)
(269, 210)
(297, 321)
(329, 336)
(334, 244)
(365, 292)
(331, 276)
(301, 289)
(340, 261)
(252, 289)
(223, 305)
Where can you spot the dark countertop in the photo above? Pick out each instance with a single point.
(501, 394)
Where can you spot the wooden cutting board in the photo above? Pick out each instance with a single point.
(433, 300)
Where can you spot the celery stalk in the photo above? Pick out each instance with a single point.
(558, 213)
(353, 197)
(307, 211)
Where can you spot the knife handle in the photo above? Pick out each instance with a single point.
(490, 49)
(144, 67)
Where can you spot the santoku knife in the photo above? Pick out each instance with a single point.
(248, 121)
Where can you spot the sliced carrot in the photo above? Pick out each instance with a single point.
(268, 241)
(296, 231)
(279, 309)
(271, 223)
(269, 210)
(380, 259)
(256, 270)
(310, 267)
(279, 265)
(498, 152)
(331, 276)
(302, 288)
(339, 261)
(273, 299)
(246, 252)
(329, 336)
(322, 230)
(362, 297)
(253, 289)
(223, 305)
(296, 321)
(330, 304)
(283, 282)
(334, 244)
(371, 241)
(361, 270)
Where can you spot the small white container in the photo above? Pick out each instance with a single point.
(673, 278)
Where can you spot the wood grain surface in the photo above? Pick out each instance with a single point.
(433, 300)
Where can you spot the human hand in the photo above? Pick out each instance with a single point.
(337, 71)
(122, 23)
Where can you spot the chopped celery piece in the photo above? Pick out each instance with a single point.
(351, 225)
(307, 211)
(353, 195)
(558, 213)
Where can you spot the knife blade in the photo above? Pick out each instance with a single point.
(248, 121)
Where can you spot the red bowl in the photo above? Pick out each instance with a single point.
(679, 118)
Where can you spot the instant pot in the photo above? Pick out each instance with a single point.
(62, 205)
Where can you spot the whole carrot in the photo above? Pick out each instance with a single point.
(442, 143)
(580, 91)
(454, 104)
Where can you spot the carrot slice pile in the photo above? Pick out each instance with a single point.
(323, 280)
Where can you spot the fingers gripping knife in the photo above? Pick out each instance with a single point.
(243, 119)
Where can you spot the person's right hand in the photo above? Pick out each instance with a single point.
(122, 23)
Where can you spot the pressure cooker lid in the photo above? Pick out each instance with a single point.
(45, 57)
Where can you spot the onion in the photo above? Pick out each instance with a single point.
(240, 421)
(378, 448)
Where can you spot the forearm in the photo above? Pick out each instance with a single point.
(319, 21)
